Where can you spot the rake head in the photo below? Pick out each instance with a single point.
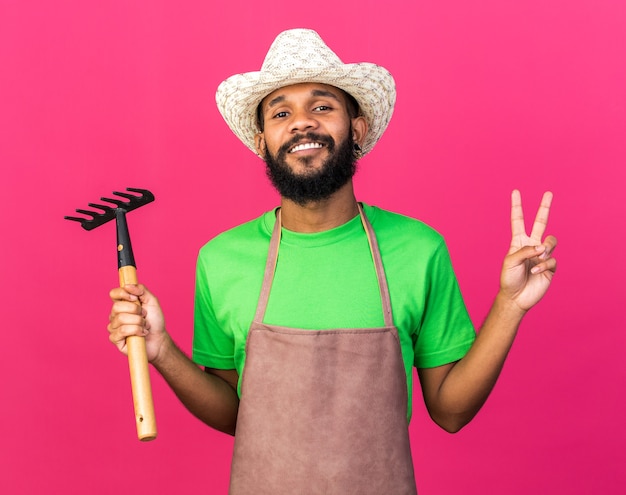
(107, 213)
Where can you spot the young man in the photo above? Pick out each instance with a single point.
(307, 354)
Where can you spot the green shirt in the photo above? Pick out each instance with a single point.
(327, 280)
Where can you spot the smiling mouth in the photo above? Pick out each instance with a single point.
(306, 146)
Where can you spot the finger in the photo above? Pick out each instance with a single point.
(130, 307)
(541, 219)
(517, 214)
(126, 324)
(524, 254)
(119, 335)
(122, 294)
(127, 319)
(144, 295)
(550, 244)
(546, 266)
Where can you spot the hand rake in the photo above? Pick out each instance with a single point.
(136, 345)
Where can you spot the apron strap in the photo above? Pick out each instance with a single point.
(270, 268)
(272, 258)
(378, 264)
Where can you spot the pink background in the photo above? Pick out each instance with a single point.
(492, 95)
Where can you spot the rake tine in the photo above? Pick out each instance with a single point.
(86, 223)
(104, 208)
(76, 219)
(88, 212)
(126, 195)
(96, 219)
(147, 196)
(134, 201)
(117, 202)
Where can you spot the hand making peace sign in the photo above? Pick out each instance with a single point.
(528, 267)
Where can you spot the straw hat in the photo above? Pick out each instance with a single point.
(298, 56)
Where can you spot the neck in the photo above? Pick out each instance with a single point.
(318, 216)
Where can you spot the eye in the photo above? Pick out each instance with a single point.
(322, 108)
(280, 115)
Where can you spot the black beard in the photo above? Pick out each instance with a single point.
(336, 171)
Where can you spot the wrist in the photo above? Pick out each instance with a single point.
(164, 353)
(506, 305)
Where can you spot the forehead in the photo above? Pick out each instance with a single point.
(303, 90)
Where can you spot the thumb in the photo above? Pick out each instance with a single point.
(518, 257)
(141, 292)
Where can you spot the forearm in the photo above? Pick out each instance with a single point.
(208, 397)
(470, 381)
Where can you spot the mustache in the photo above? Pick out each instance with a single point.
(328, 141)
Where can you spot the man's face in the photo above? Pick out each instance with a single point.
(307, 141)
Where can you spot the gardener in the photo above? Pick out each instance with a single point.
(310, 318)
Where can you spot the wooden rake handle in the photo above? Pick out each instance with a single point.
(139, 372)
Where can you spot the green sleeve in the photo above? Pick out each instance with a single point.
(212, 346)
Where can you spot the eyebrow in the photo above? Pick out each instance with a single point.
(314, 92)
(275, 101)
(322, 92)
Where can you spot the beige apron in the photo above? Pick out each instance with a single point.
(322, 412)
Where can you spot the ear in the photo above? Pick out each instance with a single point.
(259, 143)
(359, 129)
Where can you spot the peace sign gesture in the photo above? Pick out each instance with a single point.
(528, 267)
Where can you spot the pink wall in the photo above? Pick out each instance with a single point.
(492, 95)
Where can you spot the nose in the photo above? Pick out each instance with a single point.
(302, 121)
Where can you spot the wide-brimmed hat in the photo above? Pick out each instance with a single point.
(298, 56)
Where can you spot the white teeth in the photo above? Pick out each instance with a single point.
(305, 146)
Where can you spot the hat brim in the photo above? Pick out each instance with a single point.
(371, 85)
